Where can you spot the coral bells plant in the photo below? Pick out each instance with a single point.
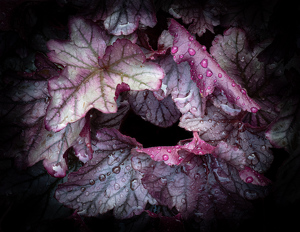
(67, 97)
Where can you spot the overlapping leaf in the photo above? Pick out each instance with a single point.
(123, 16)
(261, 82)
(23, 107)
(205, 71)
(93, 72)
(201, 16)
(201, 186)
(108, 181)
(159, 112)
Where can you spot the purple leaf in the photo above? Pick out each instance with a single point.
(234, 54)
(209, 181)
(284, 132)
(201, 17)
(161, 113)
(205, 71)
(171, 154)
(82, 145)
(91, 77)
(217, 126)
(123, 16)
(178, 83)
(25, 106)
(100, 120)
(107, 181)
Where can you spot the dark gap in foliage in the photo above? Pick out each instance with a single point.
(150, 135)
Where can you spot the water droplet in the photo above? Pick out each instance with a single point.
(191, 51)
(209, 73)
(237, 98)
(253, 158)
(243, 91)
(134, 184)
(263, 147)
(163, 180)
(200, 76)
(243, 59)
(191, 63)
(117, 186)
(249, 179)
(158, 148)
(128, 167)
(233, 84)
(215, 81)
(82, 189)
(194, 109)
(203, 48)
(102, 177)
(254, 109)
(220, 75)
(209, 120)
(116, 170)
(92, 182)
(181, 56)
(87, 193)
(174, 49)
(165, 157)
(123, 179)
(250, 194)
(204, 63)
(191, 38)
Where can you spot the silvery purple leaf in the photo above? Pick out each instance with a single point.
(261, 82)
(108, 181)
(92, 73)
(209, 181)
(199, 16)
(161, 113)
(217, 126)
(205, 71)
(123, 16)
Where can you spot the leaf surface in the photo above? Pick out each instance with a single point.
(205, 71)
(108, 181)
(93, 72)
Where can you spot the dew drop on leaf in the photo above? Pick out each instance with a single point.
(204, 63)
(92, 182)
(249, 179)
(117, 186)
(102, 177)
(191, 51)
(163, 180)
(116, 170)
(250, 194)
(220, 75)
(82, 189)
(253, 158)
(165, 157)
(209, 73)
(134, 184)
(254, 109)
(174, 49)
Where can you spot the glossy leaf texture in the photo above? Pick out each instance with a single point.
(217, 126)
(200, 16)
(23, 107)
(108, 181)
(163, 113)
(262, 83)
(92, 73)
(203, 187)
(170, 155)
(123, 16)
(205, 71)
